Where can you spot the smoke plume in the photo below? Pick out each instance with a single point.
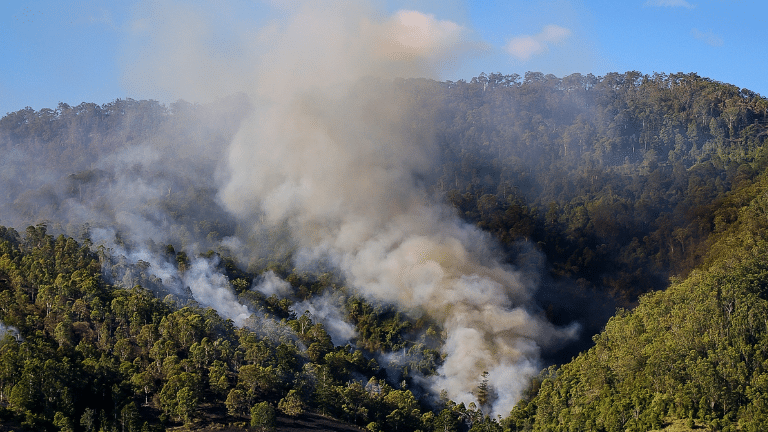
(330, 152)
(333, 150)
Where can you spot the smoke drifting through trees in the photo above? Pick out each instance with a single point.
(326, 155)
(8, 330)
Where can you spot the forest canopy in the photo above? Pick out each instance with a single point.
(133, 294)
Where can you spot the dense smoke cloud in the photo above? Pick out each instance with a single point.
(328, 157)
(328, 153)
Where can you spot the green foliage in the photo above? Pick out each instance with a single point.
(694, 352)
(619, 180)
(237, 403)
(180, 396)
(483, 392)
(263, 416)
(291, 404)
(612, 177)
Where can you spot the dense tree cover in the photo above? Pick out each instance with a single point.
(620, 181)
(615, 177)
(82, 134)
(97, 156)
(91, 357)
(695, 352)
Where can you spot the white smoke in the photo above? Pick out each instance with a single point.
(270, 284)
(327, 309)
(9, 330)
(329, 152)
(212, 289)
(202, 281)
(445, 271)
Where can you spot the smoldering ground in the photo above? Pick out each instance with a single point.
(330, 157)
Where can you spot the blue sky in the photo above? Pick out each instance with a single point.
(82, 51)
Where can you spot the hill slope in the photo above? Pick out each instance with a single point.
(594, 190)
(697, 351)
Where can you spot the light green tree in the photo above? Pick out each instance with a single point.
(61, 421)
(180, 396)
(88, 419)
(236, 403)
(291, 404)
(263, 416)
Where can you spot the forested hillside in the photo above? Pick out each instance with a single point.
(693, 355)
(138, 300)
(79, 354)
(614, 177)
